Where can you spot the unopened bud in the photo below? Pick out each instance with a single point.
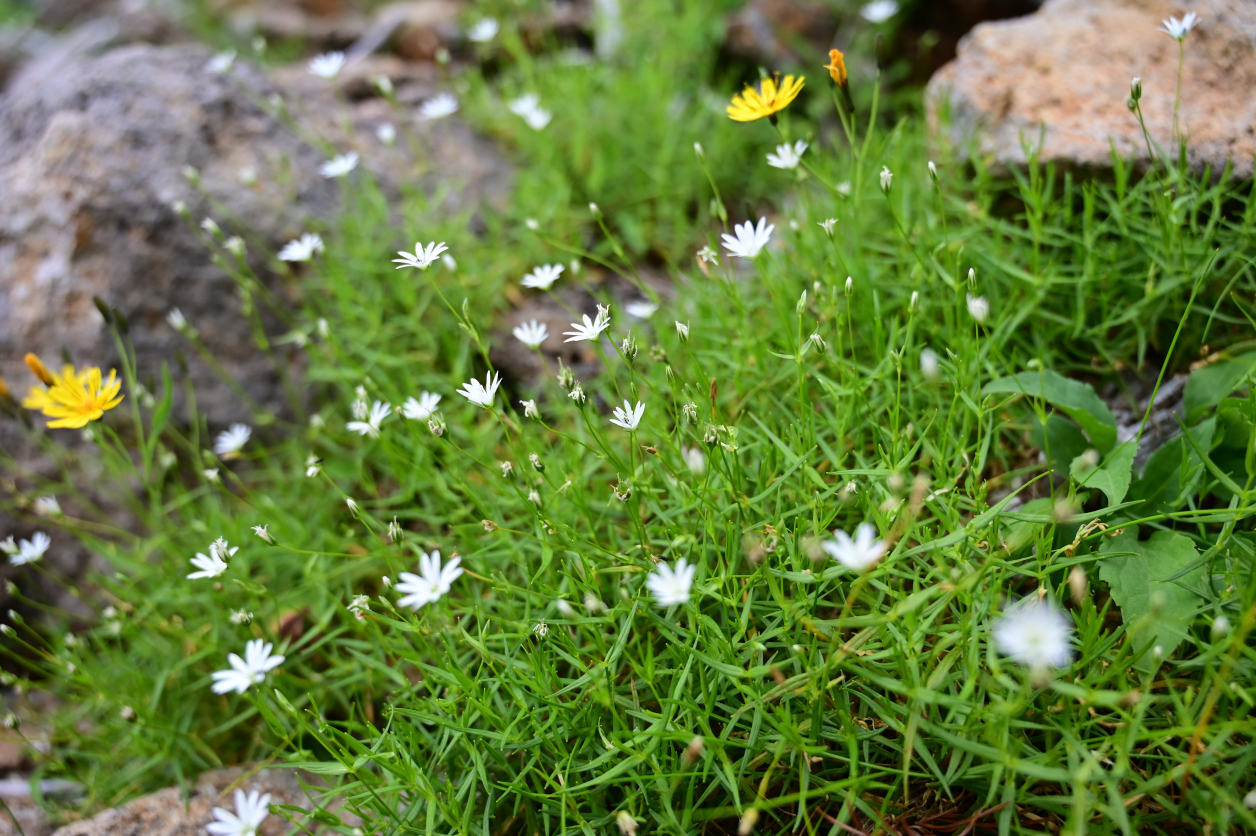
(1220, 626)
(697, 149)
(850, 285)
(1136, 89)
(914, 305)
(933, 171)
(1077, 584)
(694, 750)
(802, 303)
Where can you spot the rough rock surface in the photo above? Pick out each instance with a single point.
(164, 813)
(1069, 67)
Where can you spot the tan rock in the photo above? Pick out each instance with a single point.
(1069, 68)
(165, 813)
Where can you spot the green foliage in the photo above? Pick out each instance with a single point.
(547, 691)
(1156, 583)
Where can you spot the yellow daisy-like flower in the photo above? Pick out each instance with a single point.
(73, 399)
(771, 97)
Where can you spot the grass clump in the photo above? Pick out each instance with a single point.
(1021, 622)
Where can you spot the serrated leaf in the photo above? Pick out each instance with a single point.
(1074, 398)
(1207, 387)
(1172, 473)
(1112, 476)
(1145, 574)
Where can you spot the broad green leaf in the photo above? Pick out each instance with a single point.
(1075, 399)
(1112, 476)
(1062, 441)
(1172, 473)
(1149, 575)
(1208, 386)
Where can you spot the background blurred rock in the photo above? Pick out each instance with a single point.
(1067, 70)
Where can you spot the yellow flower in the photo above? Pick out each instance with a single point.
(73, 398)
(768, 99)
(837, 67)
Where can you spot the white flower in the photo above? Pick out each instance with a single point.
(176, 320)
(695, 460)
(787, 156)
(47, 506)
(1034, 633)
(379, 411)
(386, 133)
(448, 261)
(879, 11)
(230, 441)
(251, 811)
(246, 672)
(8, 546)
(531, 334)
(929, 364)
(210, 474)
(530, 410)
(682, 328)
(260, 531)
(339, 165)
(235, 246)
(978, 308)
(564, 607)
(360, 606)
(421, 409)
(827, 226)
(591, 328)
(629, 417)
(1179, 29)
(432, 582)
(887, 178)
(221, 63)
(211, 565)
(750, 240)
(422, 257)
(328, 65)
(529, 107)
(541, 629)
(641, 309)
(29, 551)
(241, 617)
(313, 464)
(481, 394)
(302, 249)
(858, 554)
(671, 586)
(543, 277)
(709, 255)
(439, 106)
(483, 31)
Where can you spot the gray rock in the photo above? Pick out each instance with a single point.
(1068, 68)
(169, 813)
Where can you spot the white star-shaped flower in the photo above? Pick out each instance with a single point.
(1179, 29)
(302, 249)
(232, 440)
(483, 31)
(250, 811)
(629, 416)
(879, 11)
(439, 106)
(481, 394)
(339, 165)
(749, 240)
(543, 277)
(379, 411)
(591, 327)
(671, 586)
(422, 408)
(30, 551)
(787, 156)
(432, 582)
(422, 257)
(1034, 633)
(531, 334)
(858, 554)
(327, 65)
(247, 672)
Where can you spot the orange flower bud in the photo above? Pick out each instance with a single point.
(4, 389)
(837, 67)
(40, 371)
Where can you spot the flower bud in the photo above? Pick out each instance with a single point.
(1136, 89)
(933, 172)
(1220, 626)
